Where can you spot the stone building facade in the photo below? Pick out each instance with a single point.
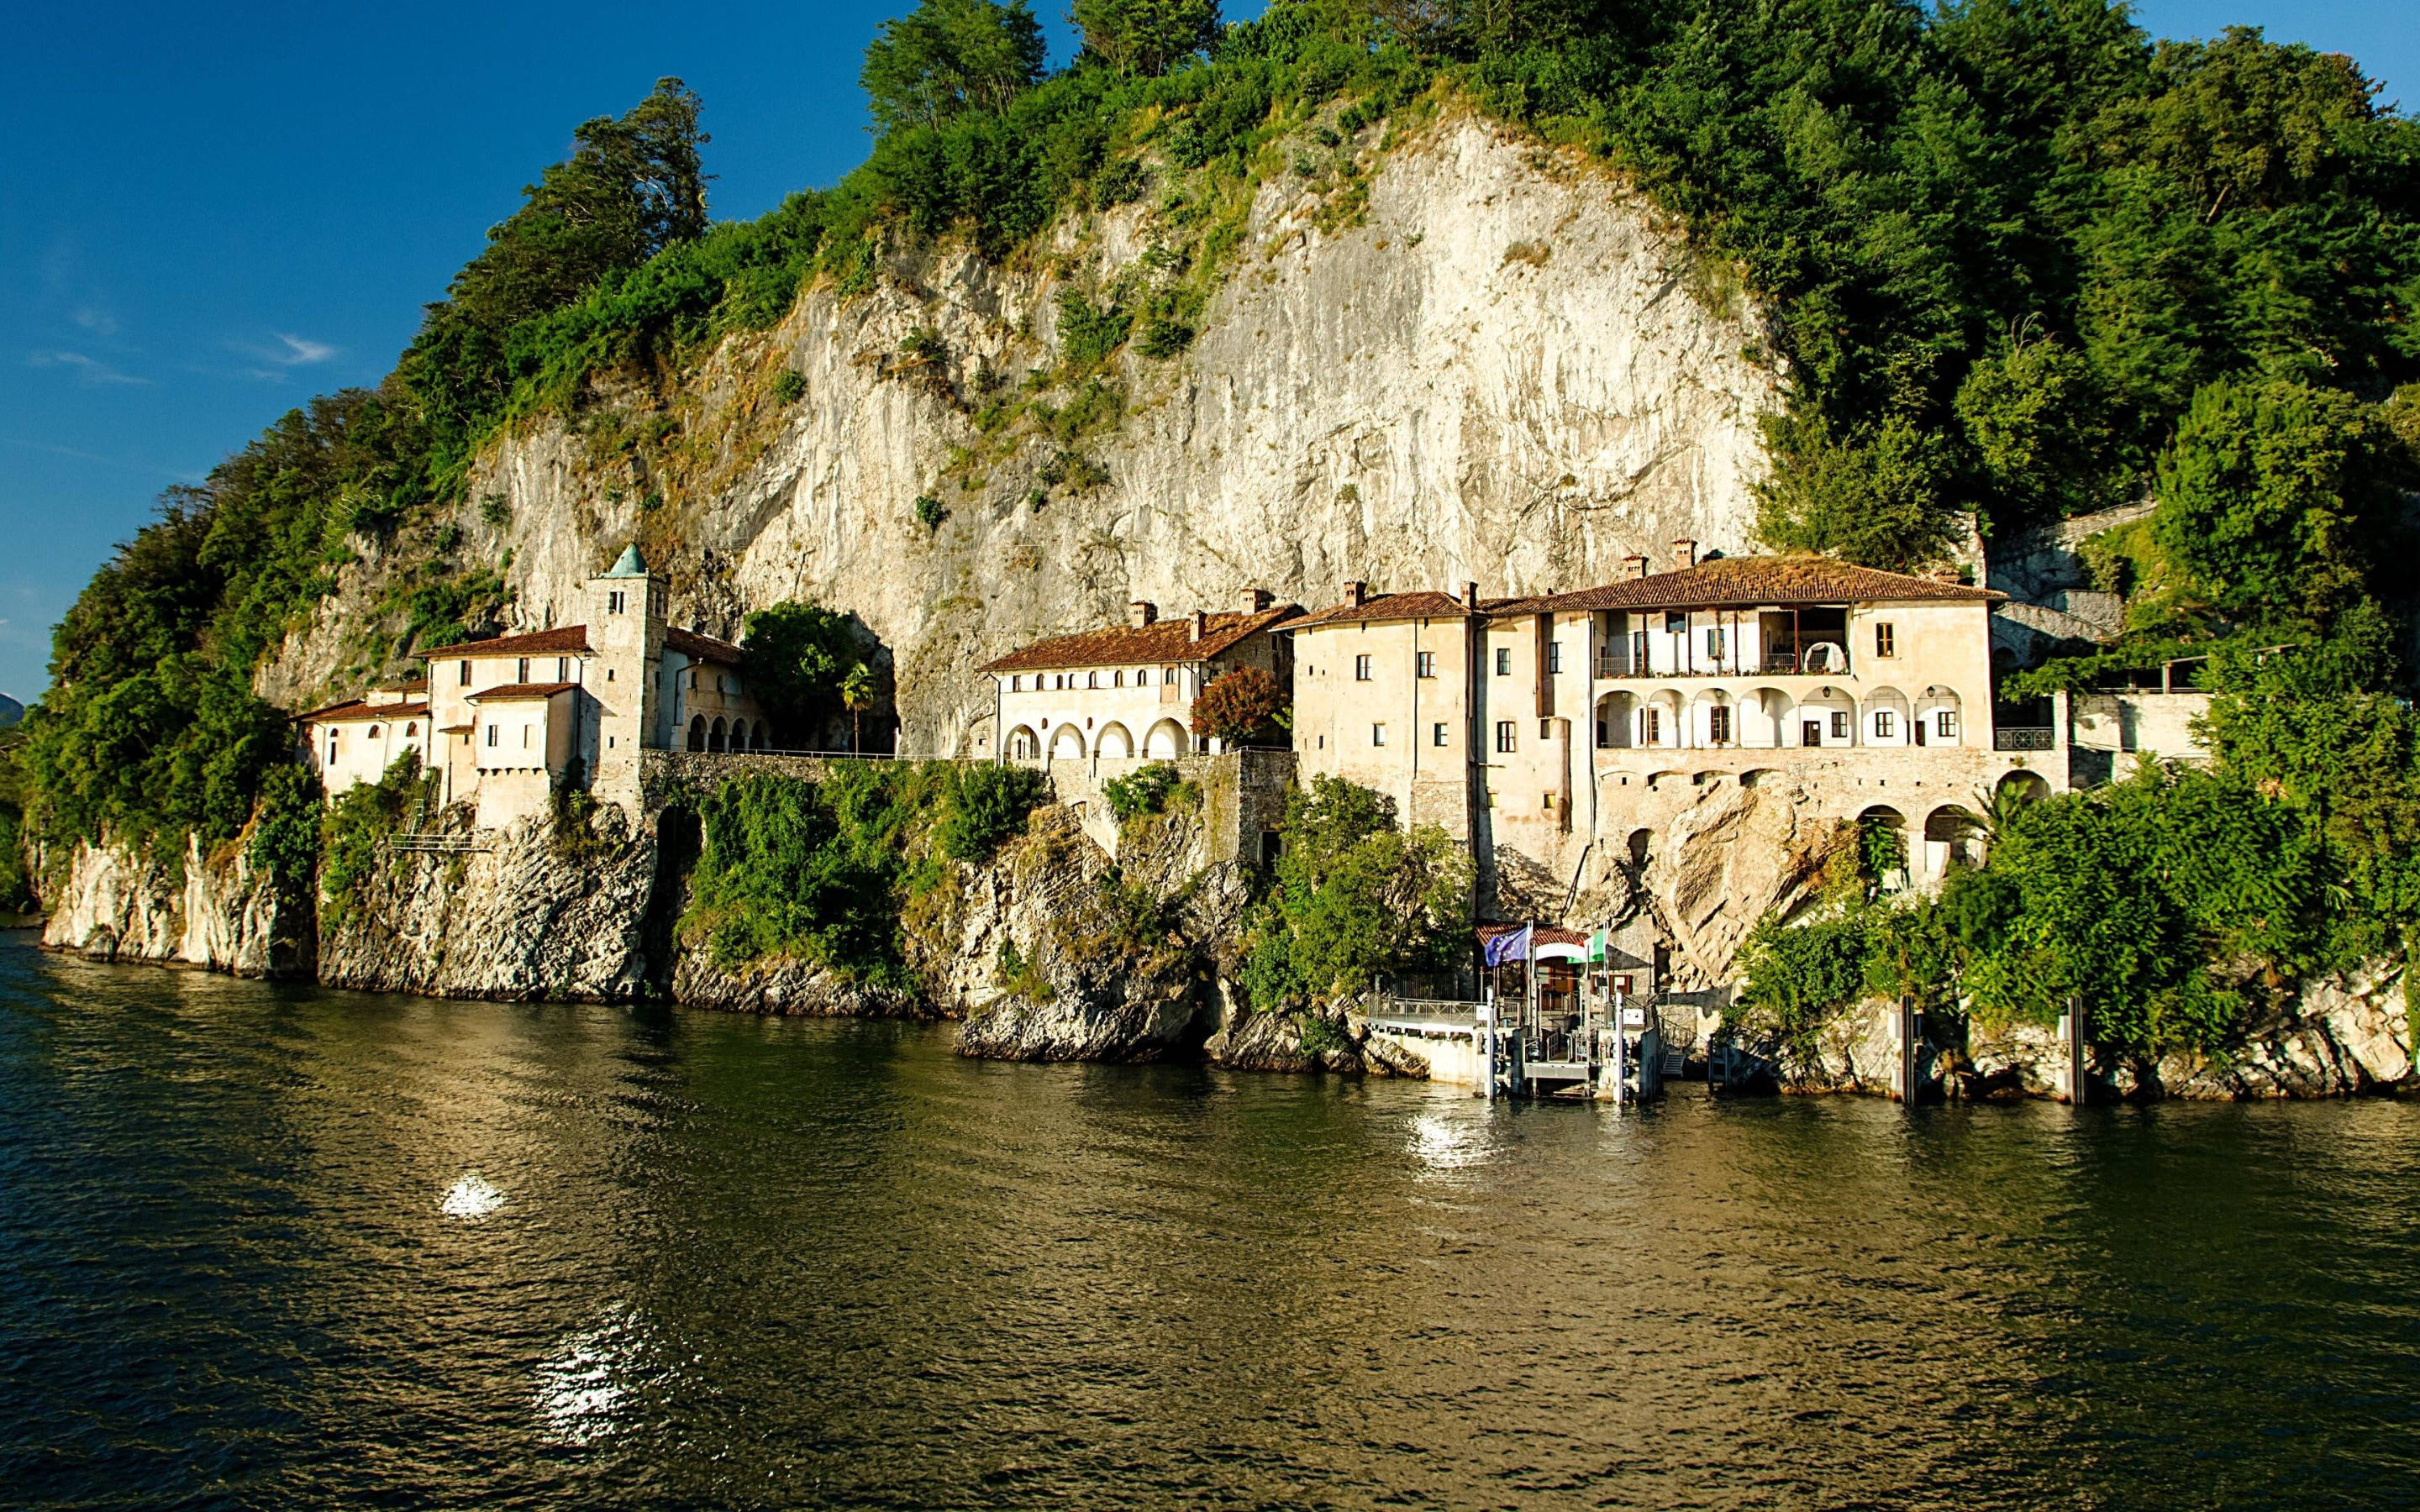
(1558, 735)
(504, 721)
(1126, 693)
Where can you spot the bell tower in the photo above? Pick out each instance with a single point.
(628, 611)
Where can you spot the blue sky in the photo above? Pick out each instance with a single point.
(210, 213)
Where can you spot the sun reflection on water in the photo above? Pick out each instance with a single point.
(472, 1196)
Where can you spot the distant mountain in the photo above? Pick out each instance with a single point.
(11, 711)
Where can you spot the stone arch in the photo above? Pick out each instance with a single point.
(1617, 720)
(1637, 846)
(1887, 718)
(1023, 744)
(1884, 817)
(1655, 778)
(1755, 774)
(697, 732)
(1067, 744)
(374, 731)
(717, 737)
(2026, 787)
(1830, 715)
(1714, 719)
(1166, 739)
(1113, 744)
(1951, 833)
(1942, 718)
(1661, 722)
(1764, 717)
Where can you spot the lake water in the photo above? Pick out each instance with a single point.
(266, 1247)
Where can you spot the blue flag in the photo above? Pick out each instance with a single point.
(1506, 948)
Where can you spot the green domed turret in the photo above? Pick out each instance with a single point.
(629, 565)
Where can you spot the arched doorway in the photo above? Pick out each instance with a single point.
(697, 732)
(1115, 743)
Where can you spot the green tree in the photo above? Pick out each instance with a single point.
(947, 56)
(1878, 498)
(1354, 898)
(2270, 496)
(631, 188)
(856, 691)
(1146, 37)
(798, 659)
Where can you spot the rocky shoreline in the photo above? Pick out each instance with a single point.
(1058, 948)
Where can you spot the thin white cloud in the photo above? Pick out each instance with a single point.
(95, 318)
(87, 369)
(287, 351)
(303, 352)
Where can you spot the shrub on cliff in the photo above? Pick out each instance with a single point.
(1146, 790)
(1352, 898)
(814, 872)
(987, 807)
(355, 829)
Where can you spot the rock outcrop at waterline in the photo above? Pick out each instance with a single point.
(215, 910)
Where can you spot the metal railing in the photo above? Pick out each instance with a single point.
(819, 755)
(2024, 738)
(1615, 665)
(441, 844)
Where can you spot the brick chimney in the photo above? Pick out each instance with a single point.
(1140, 612)
(1470, 598)
(1201, 625)
(1355, 593)
(1684, 554)
(1634, 568)
(1257, 599)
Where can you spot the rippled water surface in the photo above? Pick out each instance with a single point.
(281, 1247)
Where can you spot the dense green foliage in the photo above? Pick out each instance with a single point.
(1146, 790)
(820, 872)
(814, 872)
(352, 834)
(1355, 897)
(988, 806)
(799, 659)
(2171, 903)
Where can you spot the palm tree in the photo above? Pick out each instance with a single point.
(856, 691)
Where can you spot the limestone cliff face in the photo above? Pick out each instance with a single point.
(538, 915)
(214, 910)
(1498, 373)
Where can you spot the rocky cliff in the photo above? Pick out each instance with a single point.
(1496, 368)
(215, 910)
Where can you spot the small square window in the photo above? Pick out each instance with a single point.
(1840, 724)
(1507, 737)
(1503, 661)
(1886, 641)
(1884, 727)
(1944, 724)
(1554, 656)
(1545, 730)
(1676, 625)
(1118, 679)
(1092, 679)
(1714, 646)
(1546, 801)
(521, 672)
(1361, 669)
(466, 674)
(1718, 725)
(1424, 664)
(1437, 735)
(1377, 735)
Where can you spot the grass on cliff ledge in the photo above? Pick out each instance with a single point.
(820, 872)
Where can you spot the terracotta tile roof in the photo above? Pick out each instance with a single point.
(355, 710)
(1422, 605)
(1750, 581)
(512, 691)
(1547, 934)
(1168, 641)
(697, 647)
(570, 639)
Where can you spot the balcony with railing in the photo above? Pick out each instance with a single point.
(2024, 738)
(1822, 659)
